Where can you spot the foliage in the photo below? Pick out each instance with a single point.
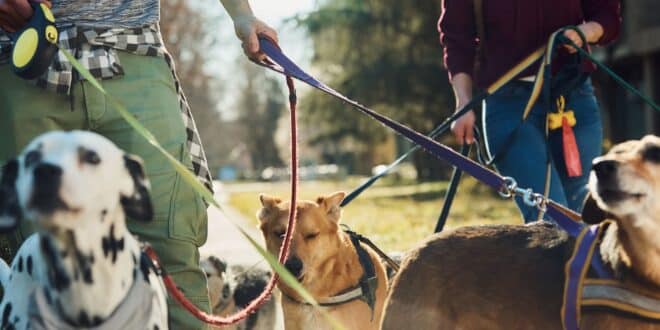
(385, 54)
(260, 104)
(190, 30)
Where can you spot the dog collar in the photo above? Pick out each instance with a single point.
(365, 290)
(604, 292)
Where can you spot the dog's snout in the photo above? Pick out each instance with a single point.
(46, 172)
(294, 265)
(605, 169)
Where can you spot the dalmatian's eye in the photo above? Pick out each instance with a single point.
(32, 157)
(89, 156)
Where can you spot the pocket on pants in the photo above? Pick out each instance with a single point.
(187, 219)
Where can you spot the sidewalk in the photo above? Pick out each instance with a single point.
(227, 242)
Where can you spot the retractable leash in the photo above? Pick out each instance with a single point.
(35, 45)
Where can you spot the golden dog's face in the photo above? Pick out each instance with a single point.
(626, 181)
(315, 239)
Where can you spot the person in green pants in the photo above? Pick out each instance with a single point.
(120, 43)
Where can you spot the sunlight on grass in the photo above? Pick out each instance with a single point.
(395, 217)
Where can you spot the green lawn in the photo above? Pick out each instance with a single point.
(394, 216)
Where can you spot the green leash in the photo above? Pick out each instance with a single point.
(607, 70)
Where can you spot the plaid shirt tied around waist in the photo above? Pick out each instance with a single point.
(96, 49)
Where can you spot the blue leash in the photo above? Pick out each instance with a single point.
(563, 216)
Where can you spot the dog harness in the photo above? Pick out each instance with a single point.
(365, 290)
(133, 313)
(605, 291)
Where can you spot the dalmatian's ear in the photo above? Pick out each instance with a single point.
(10, 211)
(137, 204)
(592, 213)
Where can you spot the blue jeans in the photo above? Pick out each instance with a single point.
(526, 156)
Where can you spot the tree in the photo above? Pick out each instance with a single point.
(187, 30)
(386, 54)
(260, 106)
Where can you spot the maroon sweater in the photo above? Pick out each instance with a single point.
(514, 29)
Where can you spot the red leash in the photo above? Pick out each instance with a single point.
(284, 250)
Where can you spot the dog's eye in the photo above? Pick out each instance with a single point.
(279, 234)
(32, 157)
(311, 236)
(89, 157)
(652, 154)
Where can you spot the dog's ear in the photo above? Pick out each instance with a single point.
(137, 203)
(331, 204)
(218, 264)
(267, 203)
(10, 211)
(592, 213)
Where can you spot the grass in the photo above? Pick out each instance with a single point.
(394, 216)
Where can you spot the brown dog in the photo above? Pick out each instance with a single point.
(512, 277)
(325, 261)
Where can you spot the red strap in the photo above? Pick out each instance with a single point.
(571, 152)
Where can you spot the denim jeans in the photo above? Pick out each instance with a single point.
(527, 152)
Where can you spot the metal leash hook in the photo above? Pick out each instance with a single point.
(510, 189)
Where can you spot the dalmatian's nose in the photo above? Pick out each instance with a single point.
(46, 173)
(46, 186)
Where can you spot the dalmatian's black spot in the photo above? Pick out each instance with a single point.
(85, 266)
(156, 327)
(111, 245)
(20, 264)
(49, 299)
(104, 212)
(5, 315)
(57, 275)
(29, 265)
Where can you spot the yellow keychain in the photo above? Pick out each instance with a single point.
(555, 119)
(566, 121)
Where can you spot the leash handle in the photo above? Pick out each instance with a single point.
(35, 45)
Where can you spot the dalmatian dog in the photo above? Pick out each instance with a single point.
(82, 268)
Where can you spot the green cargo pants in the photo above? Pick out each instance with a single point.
(147, 89)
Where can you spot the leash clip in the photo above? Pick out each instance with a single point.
(509, 187)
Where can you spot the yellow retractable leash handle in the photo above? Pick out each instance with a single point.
(35, 45)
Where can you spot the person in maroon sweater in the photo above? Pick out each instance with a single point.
(513, 30)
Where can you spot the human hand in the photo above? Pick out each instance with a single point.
(248, 28)
(463, 127)
(14, 14)
(592, 32)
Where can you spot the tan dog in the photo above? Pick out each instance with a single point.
(324, 260)
(512, 277)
